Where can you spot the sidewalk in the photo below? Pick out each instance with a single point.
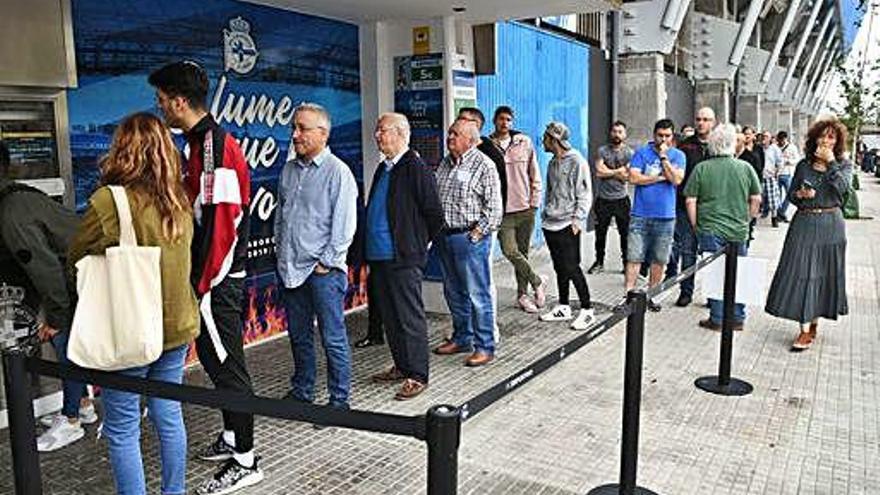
(810, 427)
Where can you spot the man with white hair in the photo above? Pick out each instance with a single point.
(403, 215)
(314, 226)
(722, 195)
(470, 193)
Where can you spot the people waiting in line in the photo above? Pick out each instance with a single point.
(217, 182)
(314, 226)
(655, 171)
(35, 232)
(790, 158)
(144, 160)
(566, 206)
(722, 195)
(749, 151)
(684, 243)
(771, 196)
(612, 199)
(403, 215)
(810, 280)
(521, 200)
(470, 194)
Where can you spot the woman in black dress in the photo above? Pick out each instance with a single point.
(810, 281)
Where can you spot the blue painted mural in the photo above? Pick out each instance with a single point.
(261, 61)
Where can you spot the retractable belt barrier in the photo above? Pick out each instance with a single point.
(439, 427)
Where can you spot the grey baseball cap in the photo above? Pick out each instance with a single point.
(559, 132)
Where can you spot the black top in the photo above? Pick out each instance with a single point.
(494, 152)
(695, 151)
(755, 158)
(831, 186)
(415, 214)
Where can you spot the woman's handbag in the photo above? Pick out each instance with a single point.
(118, 319)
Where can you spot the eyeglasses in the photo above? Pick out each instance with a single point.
(302, 128)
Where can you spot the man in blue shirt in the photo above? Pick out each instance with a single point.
(314, 226)
(655, 171)
(403, 216)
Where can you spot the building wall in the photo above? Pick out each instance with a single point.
(543, 77)
(679, 100)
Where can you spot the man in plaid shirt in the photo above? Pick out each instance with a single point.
(470, 192)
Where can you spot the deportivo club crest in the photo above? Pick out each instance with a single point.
(239, 48)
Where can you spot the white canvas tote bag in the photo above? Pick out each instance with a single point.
(118, 319)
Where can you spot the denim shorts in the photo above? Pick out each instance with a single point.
(650, 239)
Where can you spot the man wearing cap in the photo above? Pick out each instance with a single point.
(217, 180)
(471, 197)
(523, 195)
(566, 206)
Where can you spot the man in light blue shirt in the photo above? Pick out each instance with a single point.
(314, 225)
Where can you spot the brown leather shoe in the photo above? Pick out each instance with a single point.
(802, 342)
(478, 359)
(410, 389)
(390, 375)
(450, 347)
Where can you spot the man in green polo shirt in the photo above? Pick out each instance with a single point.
(723, 195)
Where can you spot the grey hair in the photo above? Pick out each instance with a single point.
(722, 140)
(472, 129)
(399, 122)
(321, 112)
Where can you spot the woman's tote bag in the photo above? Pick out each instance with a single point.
(118, 319)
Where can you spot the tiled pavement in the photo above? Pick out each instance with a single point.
(810, 427)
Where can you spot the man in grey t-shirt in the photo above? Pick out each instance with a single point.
(612, 201)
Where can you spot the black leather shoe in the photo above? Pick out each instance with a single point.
(683, 300)
(368, 341)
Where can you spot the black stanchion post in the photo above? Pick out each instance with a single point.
(22, 431)
(443, 437)
(723, 384)
(632, 401)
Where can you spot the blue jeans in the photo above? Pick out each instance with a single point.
(710, 243)
(649, 240)
(784, 186)
(72, 391)
(684, 249)
(321, 296)
(122, 427)
(466, 285)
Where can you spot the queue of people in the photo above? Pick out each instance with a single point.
(690, 196)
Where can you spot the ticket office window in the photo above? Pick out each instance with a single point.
(32, 129)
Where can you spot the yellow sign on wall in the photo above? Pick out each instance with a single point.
(421, 40)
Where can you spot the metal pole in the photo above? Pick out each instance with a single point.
(730, 259)
(632, 401)
(22, 431)
(443, 437)
(723, 384)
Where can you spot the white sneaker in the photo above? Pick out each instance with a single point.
(585, 318)
(61, 434)
(562, 312)
(87, 416)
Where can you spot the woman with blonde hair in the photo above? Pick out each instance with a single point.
(810, 281)
(144, 160)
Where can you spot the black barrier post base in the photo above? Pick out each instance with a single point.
(632, 401)
(615, 489)
(723, 384)
(22, 430)
(734, 387)
(443, 434)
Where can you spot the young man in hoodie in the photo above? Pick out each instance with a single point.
(523, 195)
